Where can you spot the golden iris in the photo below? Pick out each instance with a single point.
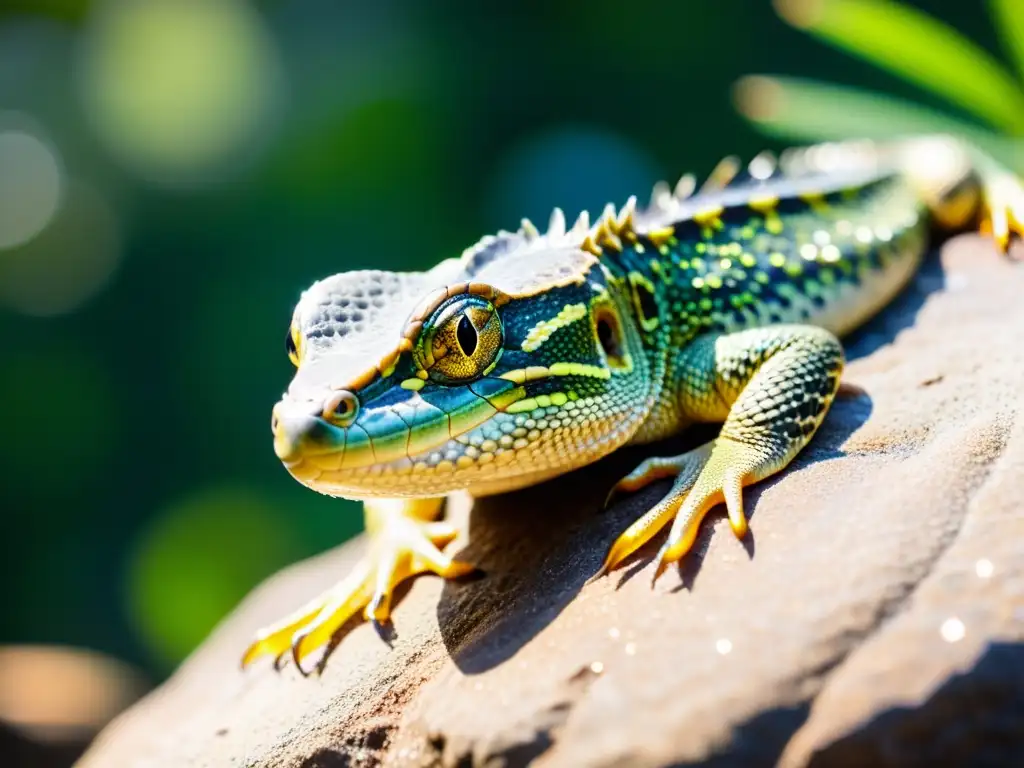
(460, 341)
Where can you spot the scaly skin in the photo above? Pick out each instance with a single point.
(534, 354)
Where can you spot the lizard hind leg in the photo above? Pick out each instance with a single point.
(404, 541)
(962, 185)
(1003, 208)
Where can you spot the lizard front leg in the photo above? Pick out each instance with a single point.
(772, 387)
(406, 539)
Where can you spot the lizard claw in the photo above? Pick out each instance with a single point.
(1004, 209)
(685, 468)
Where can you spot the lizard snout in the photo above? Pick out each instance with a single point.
(297, 432)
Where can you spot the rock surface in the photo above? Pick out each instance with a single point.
(875, 616)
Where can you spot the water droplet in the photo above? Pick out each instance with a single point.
(630, 649)
(723, 646)
(984, 568)
(597, 667)
(831, 253)
(761, 168)
(952, 630)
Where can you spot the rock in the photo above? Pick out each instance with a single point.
(875, 616)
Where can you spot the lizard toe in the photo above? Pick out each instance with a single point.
(1003, 208)
(401, 548)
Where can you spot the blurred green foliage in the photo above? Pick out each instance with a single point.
(913, 45)
(143, 342)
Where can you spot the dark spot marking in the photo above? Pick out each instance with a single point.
(608, 336)
(326, 758)
(376, 738)
(808, 409)
(645, 302)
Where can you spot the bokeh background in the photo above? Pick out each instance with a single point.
(174, 172)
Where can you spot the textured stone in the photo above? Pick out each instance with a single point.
(875, 616)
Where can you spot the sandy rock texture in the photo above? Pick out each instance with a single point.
(875, 616)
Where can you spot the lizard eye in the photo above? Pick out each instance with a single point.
(292, 345)
(461, 340)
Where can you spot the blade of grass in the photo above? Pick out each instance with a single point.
(1009, 21)
(804, 110)
(918, 48)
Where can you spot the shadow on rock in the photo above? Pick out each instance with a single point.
(974, 718)
(538, 546)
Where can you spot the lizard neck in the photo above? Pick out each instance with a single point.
(638, 270)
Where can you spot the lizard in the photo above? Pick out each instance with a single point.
(535, 353)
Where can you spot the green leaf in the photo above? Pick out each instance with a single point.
(918, 48)
(1009, 21)
(804, 110)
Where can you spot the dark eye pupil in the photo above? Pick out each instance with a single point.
(466, 335)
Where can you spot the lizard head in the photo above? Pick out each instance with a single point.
(519, 361)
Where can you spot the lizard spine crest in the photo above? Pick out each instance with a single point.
(613, 226)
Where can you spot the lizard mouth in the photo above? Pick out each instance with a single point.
(394, 447)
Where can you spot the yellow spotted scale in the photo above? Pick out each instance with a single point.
(535, 353)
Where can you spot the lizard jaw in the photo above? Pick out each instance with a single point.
(502, 452)
(409, 448)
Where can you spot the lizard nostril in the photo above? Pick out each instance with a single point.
(341, 408)
(274, 421)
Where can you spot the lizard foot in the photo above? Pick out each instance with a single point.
(706, 476)
(1003, 215)
(687, 468)
(402, 545)
(684, 467)
(730, 466)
